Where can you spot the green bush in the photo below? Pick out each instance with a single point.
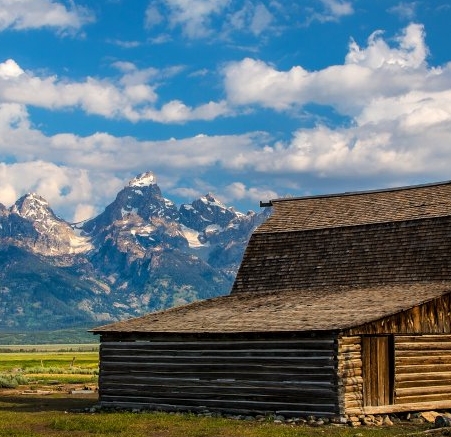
(12, 381)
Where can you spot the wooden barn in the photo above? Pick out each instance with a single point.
(341, 306)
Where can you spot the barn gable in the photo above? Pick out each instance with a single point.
(355, 239)
(341, 305)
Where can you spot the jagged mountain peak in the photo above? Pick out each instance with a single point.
(141, 197)
(34, 207)
(143, 180)
(205, 211)
(40, 230)
(212, 200)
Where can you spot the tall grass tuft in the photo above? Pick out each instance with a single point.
(61, 370)
(12, 381)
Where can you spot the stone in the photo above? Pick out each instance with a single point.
(354, 424)
(367, 421)
(442, 421)
(429, 416)
(387, 421)
(339, 420)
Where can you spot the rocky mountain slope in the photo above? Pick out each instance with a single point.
(143, 253)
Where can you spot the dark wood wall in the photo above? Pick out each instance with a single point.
(292, 376)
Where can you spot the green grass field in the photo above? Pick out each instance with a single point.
(26, 413)
(33, 417)
(57, 347)
(46, 365)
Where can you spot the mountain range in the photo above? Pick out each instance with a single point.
(141, 254)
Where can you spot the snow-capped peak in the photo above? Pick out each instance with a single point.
(143, 180)
(34, 197)
(211, 200)
(31, 206)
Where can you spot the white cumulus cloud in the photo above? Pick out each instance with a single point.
(34, 14)
(133, 96)
(375, 70)
(239, 191)
(218, 19)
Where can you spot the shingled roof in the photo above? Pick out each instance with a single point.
(357, 239)
(359, 208)
(293, 310)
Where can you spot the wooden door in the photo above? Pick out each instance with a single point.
(378, 370)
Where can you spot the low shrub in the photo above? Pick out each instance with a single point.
(12, 381)
(61, 370)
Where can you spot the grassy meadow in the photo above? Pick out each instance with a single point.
(52, 416)
(40, 403)
(48, 365)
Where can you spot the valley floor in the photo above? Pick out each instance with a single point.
(69, 412)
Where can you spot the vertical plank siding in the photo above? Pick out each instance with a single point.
(428, 318)
(350, 373)
(288, 376)
(423, 368)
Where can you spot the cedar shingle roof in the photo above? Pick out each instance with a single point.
(359, 208)
(292, 310)
(363, 239)
(366, 255)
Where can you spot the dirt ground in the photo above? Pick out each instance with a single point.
(56, 398)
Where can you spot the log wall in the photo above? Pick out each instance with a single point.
(423, 368)
(293, 376)
(422, 374)
(350, 374)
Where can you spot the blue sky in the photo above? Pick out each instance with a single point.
(249, 100)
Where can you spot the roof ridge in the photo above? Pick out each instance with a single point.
(357, 193)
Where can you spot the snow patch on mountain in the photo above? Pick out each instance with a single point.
(128, 210)
(211, 200)
(192, 237)
(80, 244)
(143, 180)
